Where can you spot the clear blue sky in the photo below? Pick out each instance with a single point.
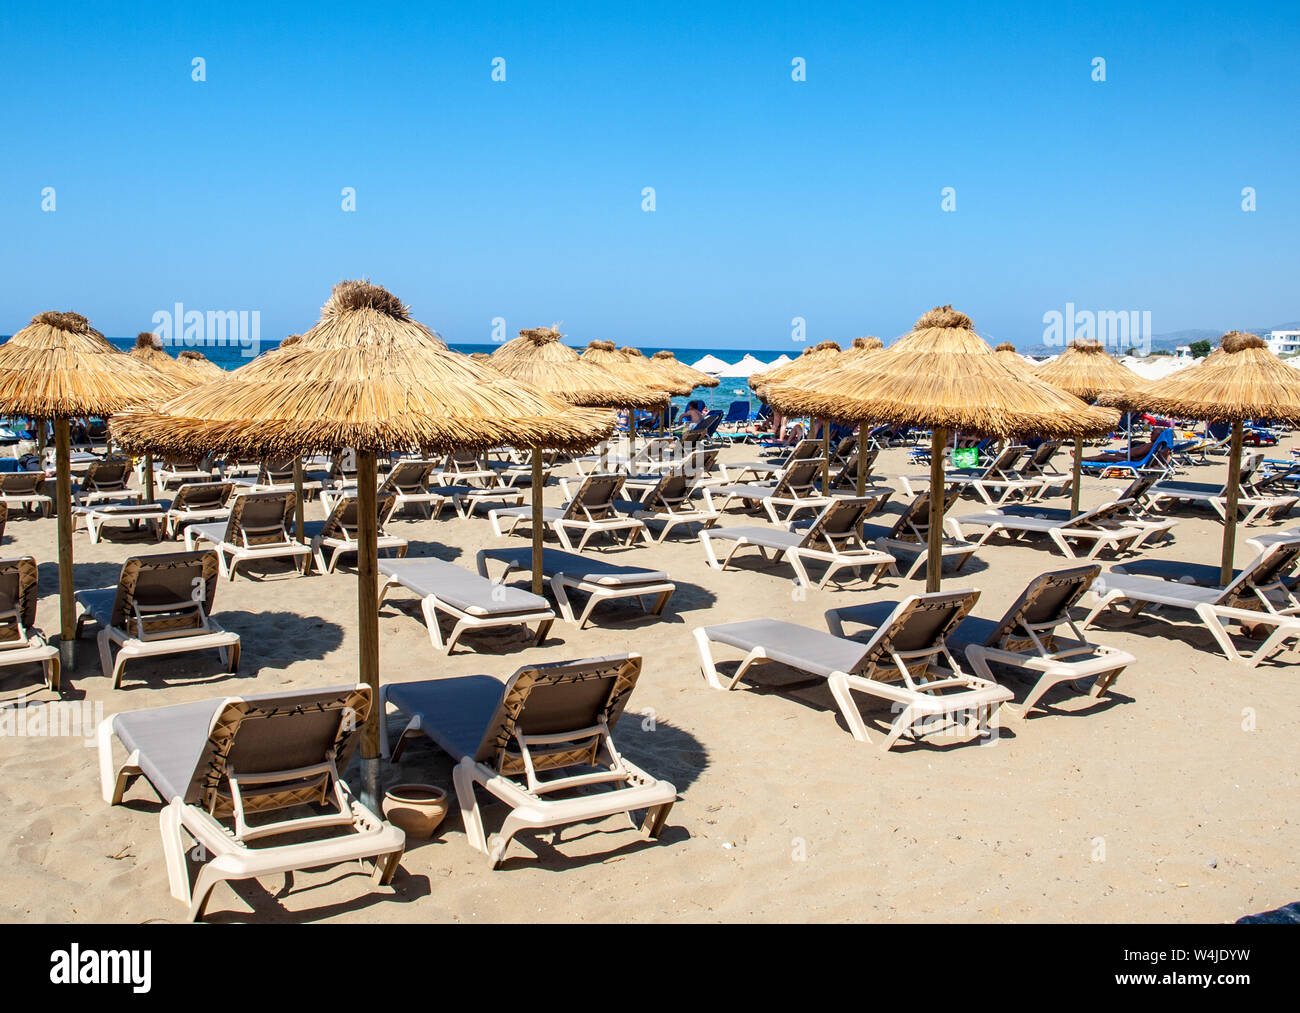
(775, 199)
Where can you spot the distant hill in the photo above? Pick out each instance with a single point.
(1170, 340)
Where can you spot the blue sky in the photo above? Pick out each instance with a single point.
(774, 199)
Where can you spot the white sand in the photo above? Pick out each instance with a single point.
(1154, 805)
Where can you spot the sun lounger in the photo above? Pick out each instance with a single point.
(198, 502)
(1101, 528)
(905, 662)
(106, 481)
(177, 471)
(738, 471)
(671, 502)
(337, 533)
(794, 489)
(257, 528)
(555, 719)
(25, 489)
(911, 531)
(1026, 639)
(216, 763)
(161, 605)
(1257, 597)
(275, 474)
(600, 580)
(104, 512)
(473, 600)
(590, 510)
(21, 643)
(832, 538)
(998, 475)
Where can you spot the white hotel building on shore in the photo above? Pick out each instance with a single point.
(1284, 342)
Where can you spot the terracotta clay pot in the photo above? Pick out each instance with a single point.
(417, 809)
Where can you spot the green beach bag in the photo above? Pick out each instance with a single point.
(965, 457)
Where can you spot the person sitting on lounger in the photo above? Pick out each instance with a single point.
(694, 413)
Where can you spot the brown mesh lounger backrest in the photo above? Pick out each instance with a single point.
(566, 696)
(18, 595)
(277, 732)
(920, 625)
(107, 476)
(14, 483)
(259, 518)
(1045, 603)
(838, 523)
(1263, 572)
(165, 594)
(202, 495)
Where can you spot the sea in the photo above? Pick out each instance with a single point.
(719, 397)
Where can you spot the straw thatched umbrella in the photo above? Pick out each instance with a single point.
(1247, 381)
(59, 367)
(540, 359)
(1085, 370)
(944, 376)
(149, 350)
(369, 377)
(811, 367)
(632, 372)
(200, 365)
(696, 378)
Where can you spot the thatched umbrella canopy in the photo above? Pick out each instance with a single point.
(1013, 360)
(1243, 380)
(943, 376)
(1087, 371)
(636, 374)
(666, 378)
(370, 377)
(199, 364)
(539, 358)
(696, 377)
(813, 361)
(59, 367)
(149, 350)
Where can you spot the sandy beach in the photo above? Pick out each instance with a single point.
(1167, 801)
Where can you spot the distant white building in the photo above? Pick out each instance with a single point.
(1284, 342)
(1183, 352)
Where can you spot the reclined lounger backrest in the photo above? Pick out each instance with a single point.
(920, 626)
(167, 594)
(18, 587)
(554, 699)
(1042, 606)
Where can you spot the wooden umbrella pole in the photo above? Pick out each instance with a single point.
(368, 618)
(862, 460)
(539, 529)
(40, 438)
(934, 551)
(297, 498)
(1230, 508)
(826, 458)
(148, 478)
(63, 494)
(1074, 482)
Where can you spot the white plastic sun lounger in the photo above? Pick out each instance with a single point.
(590, 511)
(1258, 596)
(671, 502)
(832, 538)
(555, 719)
(1025, 639)
(338, 532)
(600, 580)
(906, 663)
(911, 532)
(103, 513)
(161, 605)
(998, 475)
(106, 481)
(21, 643)
(197, 502)
(474, 601)
(1099, 527)
(795, 490)
(215, 763)
(25, 489)
(258, 528)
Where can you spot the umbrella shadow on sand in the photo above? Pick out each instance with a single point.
(646, 740)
